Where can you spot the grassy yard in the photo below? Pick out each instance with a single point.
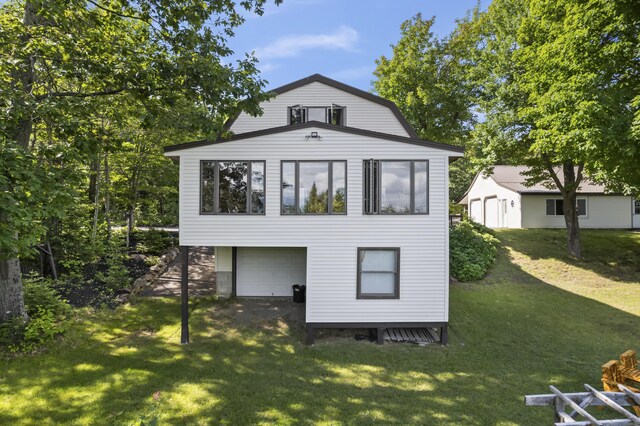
(539, 318)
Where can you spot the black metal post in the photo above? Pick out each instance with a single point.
(444, 335)
(184, 287)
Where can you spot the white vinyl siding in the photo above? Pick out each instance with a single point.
(359, 112)
(332, 241)
(503, 212)
(603, 211)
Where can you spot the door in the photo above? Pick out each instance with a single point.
(475, 210)
(270, 271)
(502, 214)
(491, 212)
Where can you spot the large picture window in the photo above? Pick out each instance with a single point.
(232, 187)
(555, 207)
(334, 114)
(396, 187)
(378, 273)
(314, 187)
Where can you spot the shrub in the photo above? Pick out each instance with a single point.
(154, 241)
(472, 250)
(47, 312)
(117, 275)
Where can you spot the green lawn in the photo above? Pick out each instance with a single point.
(538, 319)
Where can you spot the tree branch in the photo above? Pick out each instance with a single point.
(549, 166)
(80, 94)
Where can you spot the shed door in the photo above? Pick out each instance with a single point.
(270, 271)
(475, 211)
(491, 212)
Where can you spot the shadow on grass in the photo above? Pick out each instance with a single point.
(612, 254)
(509, 338)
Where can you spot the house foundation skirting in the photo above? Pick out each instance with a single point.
(380, 327)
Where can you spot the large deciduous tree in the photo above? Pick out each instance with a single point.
(63, 63)
(427, 78)
(559, 84)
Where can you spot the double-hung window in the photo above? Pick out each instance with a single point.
(314, 187)
(396, 187)
(378, 273)
(232, 187)
(555, 207)
(636, 206)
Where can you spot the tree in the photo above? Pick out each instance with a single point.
(59, 60)
(427, 78)
(559, 85)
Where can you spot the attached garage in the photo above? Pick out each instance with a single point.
(270, 271)
(491, 212)
(475, 210)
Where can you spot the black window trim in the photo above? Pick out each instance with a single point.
(374, 205)
(396, 285)
(216, 189)
(326, 113)
(329, 189)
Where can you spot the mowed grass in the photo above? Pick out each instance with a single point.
(539, 318)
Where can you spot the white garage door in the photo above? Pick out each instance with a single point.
(475, 211)
(491, 212)
(270, 271)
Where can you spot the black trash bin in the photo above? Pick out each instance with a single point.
(299, 293)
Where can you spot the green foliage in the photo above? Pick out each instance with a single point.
(427, 77)
(154, 241)
(558, 84)
(47, 312)
(472, 250)
(117, 276)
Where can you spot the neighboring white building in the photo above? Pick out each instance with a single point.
(502, 200)
(329, 188)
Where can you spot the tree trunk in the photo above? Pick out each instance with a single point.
(574, 242)
(96, 205)
(107, 191)
(11, 297)
(569, 193)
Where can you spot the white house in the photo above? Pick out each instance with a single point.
(501, 200)
(329, 188)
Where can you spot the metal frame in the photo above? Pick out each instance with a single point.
(371, 195)
(329, 189)
(184, 293)
(216, 188)
(380, 327)
(396, 284)
(305, 117)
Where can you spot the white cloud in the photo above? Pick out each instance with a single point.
(344, 38)
(351, 74)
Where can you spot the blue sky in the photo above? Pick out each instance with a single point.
(340, 39)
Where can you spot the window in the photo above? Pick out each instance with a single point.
(314, 187)
(636, 206)
(232, 187)
(554, 207)
(378, 273)
(396, 187)
(334, 114)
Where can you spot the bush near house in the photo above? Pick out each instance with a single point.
(472, 250)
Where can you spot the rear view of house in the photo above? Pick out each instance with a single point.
(502, 200)
(329, 188)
